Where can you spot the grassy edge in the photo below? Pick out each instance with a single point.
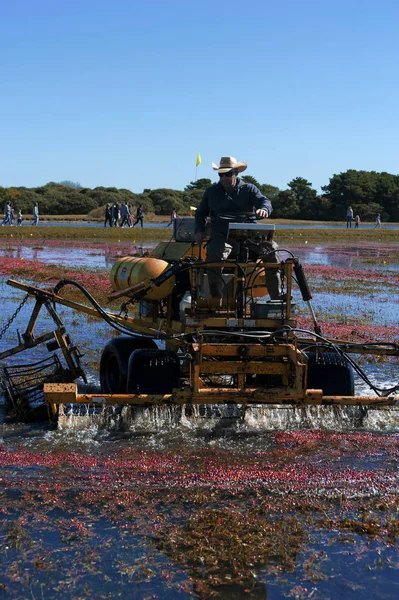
(138, 235)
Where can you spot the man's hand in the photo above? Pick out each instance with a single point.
(262, 213)
(199, 237)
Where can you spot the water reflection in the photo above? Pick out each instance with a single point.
(335, 255)
(382, 257)
(380, 308)
(67, 254)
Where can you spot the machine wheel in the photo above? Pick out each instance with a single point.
(153, 372)
(114, 362)
(331, 373)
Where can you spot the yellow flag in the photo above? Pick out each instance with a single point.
(193, 208)
(198, 162)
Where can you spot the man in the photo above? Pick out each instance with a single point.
(124, 214)
(35, 214)
(173, 216)
(108, 216)
(139, 216)
(115, 214)
(232, 196)
(7, 215)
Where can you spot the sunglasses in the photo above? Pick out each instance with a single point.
(229, 174)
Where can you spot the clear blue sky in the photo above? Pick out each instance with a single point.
(125, 93)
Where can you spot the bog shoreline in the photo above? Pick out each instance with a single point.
(312, 232)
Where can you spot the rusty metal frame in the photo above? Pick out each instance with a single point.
(56, 339)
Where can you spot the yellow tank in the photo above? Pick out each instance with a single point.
(130, 270)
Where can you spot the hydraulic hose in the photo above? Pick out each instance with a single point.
(305, 291)
(106, 317)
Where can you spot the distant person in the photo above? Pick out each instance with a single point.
(129, 219)
(349, 217)
(35, 214)
(19, 219)
(124, 215)
(173, 216)
(130, 216)
(107, 215)
(378, 222)
(357, 222)
(139, 216)
(7, 215)
(115, 214)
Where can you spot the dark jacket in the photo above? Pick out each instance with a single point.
(245, 197)
(115, 210)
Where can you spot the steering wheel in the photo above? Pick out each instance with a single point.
(239, 217)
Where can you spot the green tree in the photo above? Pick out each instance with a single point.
(193, 193)
(285, 205)
(250, 179)
(73, 184)
(306, 198)
(200, 184)
(368, 212)
(270, 191)
(362, 188)
(164, 200)
(388, 196)
(13, 193)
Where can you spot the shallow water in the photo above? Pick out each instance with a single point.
(177, 503)
(383, 257)
(381, 308)
(92, 255)
(84, 255)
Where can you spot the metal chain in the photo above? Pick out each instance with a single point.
(11, 319)
(282, 280)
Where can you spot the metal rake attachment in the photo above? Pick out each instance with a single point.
(23, 384)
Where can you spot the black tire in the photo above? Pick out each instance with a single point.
(153, 372)
(331, 373)
(114, 362)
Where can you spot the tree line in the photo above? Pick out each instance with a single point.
(367, 192)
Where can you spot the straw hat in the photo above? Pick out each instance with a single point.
(227, 163)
